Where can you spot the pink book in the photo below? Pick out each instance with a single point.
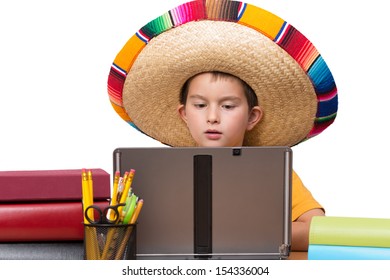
(50, 185)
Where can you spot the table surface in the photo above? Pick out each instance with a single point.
(298, 256)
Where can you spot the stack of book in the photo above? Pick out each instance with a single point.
(41, 213)
(349, 238)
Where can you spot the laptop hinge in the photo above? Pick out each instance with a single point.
(202, 205)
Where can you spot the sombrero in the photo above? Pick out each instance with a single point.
(294, 85)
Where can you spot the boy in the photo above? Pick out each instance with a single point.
(218, 109)
(280, 67)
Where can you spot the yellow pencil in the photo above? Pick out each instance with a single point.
(85, 193)
(90, 237)
(129, 180)
(133, 220)
(92, 246)
(90, 187)
(114, 193)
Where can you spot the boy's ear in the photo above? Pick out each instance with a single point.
(255, 116)
(182, 112)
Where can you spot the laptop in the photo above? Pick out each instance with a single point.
(211, 203)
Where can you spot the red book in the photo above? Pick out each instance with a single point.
(50, 221)
(50, 185)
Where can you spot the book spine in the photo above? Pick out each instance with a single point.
(329, 252)
(350, 231)
(50, 185)
(54, 221)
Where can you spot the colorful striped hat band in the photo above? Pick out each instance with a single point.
(294, 86)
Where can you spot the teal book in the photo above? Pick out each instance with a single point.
(330, 252)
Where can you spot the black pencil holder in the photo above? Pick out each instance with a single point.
(110, 242)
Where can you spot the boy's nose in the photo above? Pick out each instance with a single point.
(213, 116)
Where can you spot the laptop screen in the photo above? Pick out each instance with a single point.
(217, 203)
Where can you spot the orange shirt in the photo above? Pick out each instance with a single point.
(302, 199)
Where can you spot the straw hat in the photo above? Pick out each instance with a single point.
(294, 86)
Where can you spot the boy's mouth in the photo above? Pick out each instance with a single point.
(213, 134)
(212, 131)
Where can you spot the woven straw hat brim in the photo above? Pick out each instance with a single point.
(152, 87)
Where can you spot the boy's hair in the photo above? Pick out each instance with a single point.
(250, 94)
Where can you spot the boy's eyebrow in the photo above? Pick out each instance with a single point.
(196, 96)
(229, 97)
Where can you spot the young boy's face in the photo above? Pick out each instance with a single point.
(217, 112)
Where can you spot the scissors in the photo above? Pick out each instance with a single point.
(104, 218)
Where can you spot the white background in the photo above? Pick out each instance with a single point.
(55, 57)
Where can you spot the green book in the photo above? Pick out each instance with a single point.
(350, 231)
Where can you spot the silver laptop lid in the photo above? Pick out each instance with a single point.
(219, 203)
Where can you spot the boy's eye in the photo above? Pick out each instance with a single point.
(199, 105)
(228, 106)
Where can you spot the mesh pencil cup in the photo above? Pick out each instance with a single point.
(110, 242)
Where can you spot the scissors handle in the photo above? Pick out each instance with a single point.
(117, 215)
(103, 214)
(91, 220)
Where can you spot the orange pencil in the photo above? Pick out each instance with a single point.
(137, 211)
